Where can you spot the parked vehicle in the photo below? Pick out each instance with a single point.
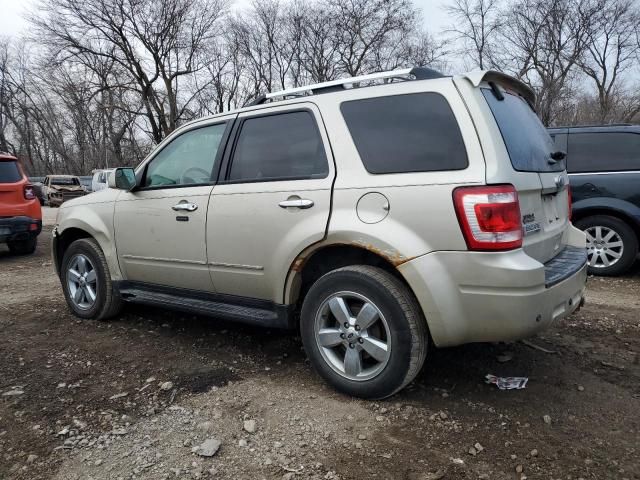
(60, 188)
(99, 179)
(20, 213)
(604, 170)
(409, 207)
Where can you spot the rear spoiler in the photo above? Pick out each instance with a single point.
(477, 77)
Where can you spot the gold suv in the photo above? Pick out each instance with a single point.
(374, 213)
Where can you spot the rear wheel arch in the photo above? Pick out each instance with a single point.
(311, 266)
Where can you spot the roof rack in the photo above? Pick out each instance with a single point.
(418, 73)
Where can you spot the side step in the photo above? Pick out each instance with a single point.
(236, 309)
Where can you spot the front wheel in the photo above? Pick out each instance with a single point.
(86, 281)
(612, 245)
(363, 331)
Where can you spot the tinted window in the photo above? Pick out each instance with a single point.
(527, 141)
(603, 152)
(279, 147)
(405, 133)
(187, 160)
(9, 172)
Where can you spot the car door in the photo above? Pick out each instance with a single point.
(273, 200)
(160, 226)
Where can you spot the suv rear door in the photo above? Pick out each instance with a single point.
(272, 200)
(541, 181)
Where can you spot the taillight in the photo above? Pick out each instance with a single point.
(570, 200)
(29, 192)
(489, 217)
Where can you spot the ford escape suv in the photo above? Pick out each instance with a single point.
(20, 213)
(375, 214)
(604, 170)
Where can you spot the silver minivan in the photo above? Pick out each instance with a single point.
(378, 215)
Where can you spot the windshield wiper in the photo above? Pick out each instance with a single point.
(557, 156)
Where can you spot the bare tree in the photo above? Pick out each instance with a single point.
(610, 51)
(155, 42)
(366, 26)
(476, 27)
(542, 42)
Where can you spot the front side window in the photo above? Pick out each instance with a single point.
(603, 152)
(406, 133)
(283, 146)
(187, 160)
(9, 172)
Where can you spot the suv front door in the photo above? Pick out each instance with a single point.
(160, 226)
(273, 200)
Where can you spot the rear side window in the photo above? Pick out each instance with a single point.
(283, 146)
(406, 133)
(528, 143)
(603, 152)
(9, 172)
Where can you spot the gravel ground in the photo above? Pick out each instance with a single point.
(151, 394)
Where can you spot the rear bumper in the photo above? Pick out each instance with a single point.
(19, 228)
(487, 297)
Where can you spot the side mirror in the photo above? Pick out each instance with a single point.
(122, 179)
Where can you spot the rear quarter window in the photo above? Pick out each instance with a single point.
(603, 152)
(405, 133)
(9, 172)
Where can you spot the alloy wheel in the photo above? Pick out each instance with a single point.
(604, 246)
(82, 282)
(353, 336)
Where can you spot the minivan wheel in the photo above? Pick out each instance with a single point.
(86, 282)
(612, 246)
(363, 331)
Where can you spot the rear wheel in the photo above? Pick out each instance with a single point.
(23, 247)
(87, 283)
(363, 331)
(612, 245)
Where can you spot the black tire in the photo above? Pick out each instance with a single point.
(23, 247)
(107, 303)
(629, 242)
(409, 335)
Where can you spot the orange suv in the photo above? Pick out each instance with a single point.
(20, 213)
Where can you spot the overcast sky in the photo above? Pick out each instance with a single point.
(12, 12)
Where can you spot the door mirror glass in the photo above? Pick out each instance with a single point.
(122, 179)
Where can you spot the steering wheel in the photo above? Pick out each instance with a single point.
(185, 177)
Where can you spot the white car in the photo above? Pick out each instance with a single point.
(100, 178)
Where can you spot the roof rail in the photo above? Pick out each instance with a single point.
(598, 125)
(417, 73)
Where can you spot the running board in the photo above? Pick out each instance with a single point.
(227, 307)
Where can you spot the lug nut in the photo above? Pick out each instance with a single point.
(351, 345)
(360, 340)
(342, 335)
(346, 324)
(358, 327)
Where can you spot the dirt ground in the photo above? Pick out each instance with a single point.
(90, 400)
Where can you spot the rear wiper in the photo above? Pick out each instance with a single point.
(557, 156)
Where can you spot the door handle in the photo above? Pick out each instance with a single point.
(296, 203)
(185, 207)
